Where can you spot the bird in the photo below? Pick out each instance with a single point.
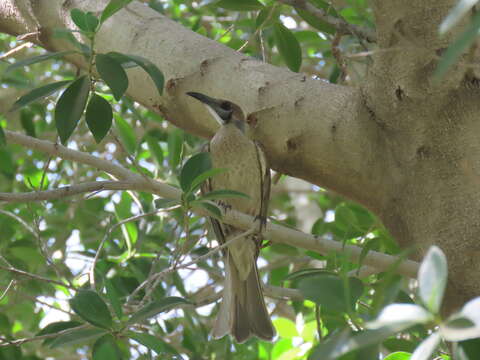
(242, 312)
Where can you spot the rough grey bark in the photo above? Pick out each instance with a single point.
(401, 145)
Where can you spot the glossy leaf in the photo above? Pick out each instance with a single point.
(99, 116)
(243, 5)
(288, 46)
(106, 348)
(37, 59)
(70, 107)
(330, 291)
(38, 93)
(432, 279)
(152, 342)
(156, 307)
(165, 203)
(85, 21)
(113, 74)
(193, 167)
(113, 7)
(150, 68)
(89, 306)
(126, 133)
(76, 337)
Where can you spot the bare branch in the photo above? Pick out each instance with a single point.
(273, 232)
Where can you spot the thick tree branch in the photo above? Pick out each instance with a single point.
(273, 232)
(311, 129)
(342, 26)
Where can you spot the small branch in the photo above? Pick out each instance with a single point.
(273, 232)
(12, 282)
(19, 342)
(34, 276)
(339, 24)
(65, 191)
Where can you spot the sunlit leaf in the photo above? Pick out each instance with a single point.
(426, 348)
(432, 279)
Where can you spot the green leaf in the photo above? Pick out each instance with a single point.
(3, 140)
(399, 355)
(85, 21)
(114, 298)
(401, 315)
(331, 292)
(175, 146)
(458, 47)
(165, 203)
(288, 46)
(113, 74)
(99, 116)
(56, 327)
(76, 336)
(37, 59)
(267, 16)
(432, 279)
(305, 273)
(155, 149)
(26, 119)
(150, 68)
(315, 22)
(70, 107)
(204, 176)
(193, 167)
(113, 7)
(127, 135)
(38, 93)
(222, 194)
(156, 307)
(89, 306)
(106, 348)
(152, 342)
(211, 208)
(243, 5)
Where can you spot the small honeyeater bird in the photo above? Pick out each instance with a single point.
(242, 312)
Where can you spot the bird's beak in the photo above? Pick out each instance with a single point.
(213, 105)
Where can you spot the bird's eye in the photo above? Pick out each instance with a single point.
(226, 106)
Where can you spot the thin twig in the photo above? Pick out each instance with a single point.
(18, 342)
(338, 23)
(35, 277)
(12, 282)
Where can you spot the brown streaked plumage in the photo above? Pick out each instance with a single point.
(242, 312)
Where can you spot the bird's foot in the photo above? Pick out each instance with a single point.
(262, 222)
(224, 205)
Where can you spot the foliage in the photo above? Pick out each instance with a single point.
(100, 252)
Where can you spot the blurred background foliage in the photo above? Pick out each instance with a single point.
(60, 239)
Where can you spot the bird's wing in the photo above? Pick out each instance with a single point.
(205, 189)
(265, 182)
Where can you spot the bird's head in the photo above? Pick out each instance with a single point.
(223, 111)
